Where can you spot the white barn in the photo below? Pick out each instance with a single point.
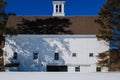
(55, 53)
(75, 53)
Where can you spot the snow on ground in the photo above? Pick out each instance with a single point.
(58, 76)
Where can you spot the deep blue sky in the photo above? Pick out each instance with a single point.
(44, 7)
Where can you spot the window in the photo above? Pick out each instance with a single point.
(60, 8)
(90, 54)
(56, 8)
(35, 55)
(15, 55)
(98, 69)
(56, 56)
(77, 69)
(74, 55)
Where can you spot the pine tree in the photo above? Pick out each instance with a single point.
(3, 19)
(109, 20)
(3, 16)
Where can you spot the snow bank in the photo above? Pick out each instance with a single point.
(59, 76)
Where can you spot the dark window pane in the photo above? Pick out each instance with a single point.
(74, 54)
(77, 69)
(15, 55)
(56, 56)
(98, 69)
(35, 55)
(56, 8)
(91, 55)
(60, 8)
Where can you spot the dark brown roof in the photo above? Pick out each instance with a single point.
(80, 24)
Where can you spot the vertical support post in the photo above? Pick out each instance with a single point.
(62, 8)
(54, 8)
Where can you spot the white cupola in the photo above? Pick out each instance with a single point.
(58, 7)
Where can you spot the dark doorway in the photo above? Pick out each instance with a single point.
(52, 68)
